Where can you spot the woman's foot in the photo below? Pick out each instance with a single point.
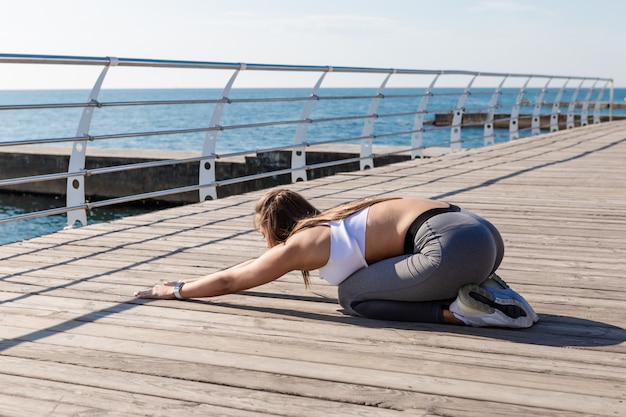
(494, 281)
(490, 305)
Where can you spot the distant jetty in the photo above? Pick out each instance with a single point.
(501, 120)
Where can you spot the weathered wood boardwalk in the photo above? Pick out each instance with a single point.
(75, 342)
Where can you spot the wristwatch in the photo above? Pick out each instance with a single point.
(177, 288)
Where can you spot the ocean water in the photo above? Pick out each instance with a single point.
(60, 123)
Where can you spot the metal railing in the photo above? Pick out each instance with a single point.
(424, 110)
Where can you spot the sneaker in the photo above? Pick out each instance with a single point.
(494, 281)
(501, 289)
(480, 306)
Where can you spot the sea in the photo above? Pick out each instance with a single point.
(19, 124)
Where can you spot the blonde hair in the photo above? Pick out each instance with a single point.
(282, 213)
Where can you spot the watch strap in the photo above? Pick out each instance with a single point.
(177, 288)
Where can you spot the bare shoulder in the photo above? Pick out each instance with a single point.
(306, 250)
(311, 246)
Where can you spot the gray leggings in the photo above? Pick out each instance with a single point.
(451, 249)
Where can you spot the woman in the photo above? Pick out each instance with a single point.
(402, 259)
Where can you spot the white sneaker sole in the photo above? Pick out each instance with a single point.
(482, 307)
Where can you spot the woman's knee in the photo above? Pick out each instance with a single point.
(347, 303)
(469, 255)
(345, 300)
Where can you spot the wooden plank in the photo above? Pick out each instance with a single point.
(593, 400)
(12, 405)
(387, 402)
(131, 393)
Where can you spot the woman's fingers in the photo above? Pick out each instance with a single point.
(162, 291)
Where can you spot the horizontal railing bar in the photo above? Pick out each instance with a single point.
(144, 196)
(176, 131)
(46, 106)
(402, 150)
(99, 104)
(142, 165)
(40, 178)
(135, 62)
(252, 177)
(42, 213)
(42, 141)
(340, 140)
(335, 163)
(100, 171)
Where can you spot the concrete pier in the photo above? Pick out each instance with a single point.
(501, 120)
(30, 160)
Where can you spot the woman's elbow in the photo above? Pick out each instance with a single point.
(224, 285)
(235, 284)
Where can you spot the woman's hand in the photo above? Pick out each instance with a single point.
(163, 291)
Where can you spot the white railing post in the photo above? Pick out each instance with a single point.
(584, 113)
(611, 98)
(76, 183)
(367, 161)
(514, 120)
(298, 153)
(536, 123)
(207, 165)
(457, 119)
(596, 108)
(489, 137)
(572, 107)
(418, 124)
(556, 108)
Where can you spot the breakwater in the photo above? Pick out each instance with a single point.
(501, 120)
(26, 161)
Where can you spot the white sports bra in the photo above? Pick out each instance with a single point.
(347, 248)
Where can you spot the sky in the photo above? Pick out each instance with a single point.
(555, 37)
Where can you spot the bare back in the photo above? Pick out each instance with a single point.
(388, 222)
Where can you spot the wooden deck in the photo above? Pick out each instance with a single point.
(75, 342)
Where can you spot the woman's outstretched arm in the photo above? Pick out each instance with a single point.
(307, 250)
